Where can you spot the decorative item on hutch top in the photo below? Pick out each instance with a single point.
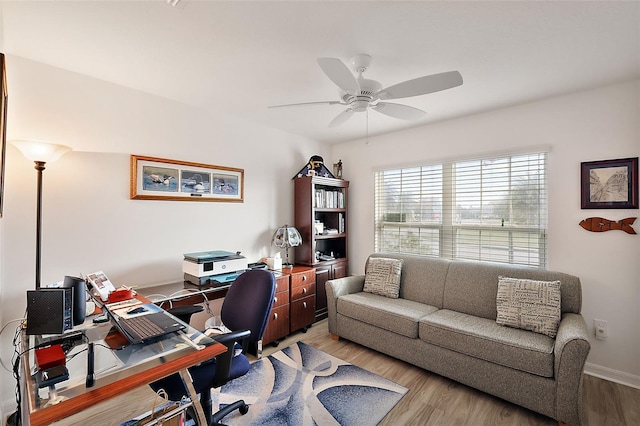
(163, 179)
(337, 169)
(610, 184)
(315, 167)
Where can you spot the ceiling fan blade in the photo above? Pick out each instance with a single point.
(338, 72)
(309, 103)
(404, 112)
(422, 85)
(341, 118)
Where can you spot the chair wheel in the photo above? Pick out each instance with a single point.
(244, 409)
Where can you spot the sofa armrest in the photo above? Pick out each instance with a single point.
(336, 288)
(570, 353)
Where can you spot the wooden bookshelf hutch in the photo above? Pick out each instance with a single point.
(321, 217)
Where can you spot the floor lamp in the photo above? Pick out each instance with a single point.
(40, 153)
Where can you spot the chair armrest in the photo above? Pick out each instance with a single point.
(570, 353)
(335, 289)
(223, 361)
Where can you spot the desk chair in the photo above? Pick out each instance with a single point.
(245, 311)
(183, 313)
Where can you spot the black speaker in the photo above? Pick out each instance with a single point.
(79, 292)
(49, 311)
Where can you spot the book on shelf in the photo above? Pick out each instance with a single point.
(326, 199)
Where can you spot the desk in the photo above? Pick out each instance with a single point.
(116, 372)
(183, 293)
(294, 306)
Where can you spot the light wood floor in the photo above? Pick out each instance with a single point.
(431, 400)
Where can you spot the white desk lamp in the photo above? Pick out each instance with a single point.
(285, 237)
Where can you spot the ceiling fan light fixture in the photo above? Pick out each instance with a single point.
(359, 93)
(360, 62)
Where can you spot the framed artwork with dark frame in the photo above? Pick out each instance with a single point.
(3, 126)
(163, 179)
(610, 184)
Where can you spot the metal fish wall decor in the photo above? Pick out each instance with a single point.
(598, 224)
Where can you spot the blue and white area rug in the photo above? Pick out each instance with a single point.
(301, 385)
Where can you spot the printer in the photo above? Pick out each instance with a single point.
(215, 267)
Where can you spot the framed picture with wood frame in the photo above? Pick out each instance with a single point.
(610, 184)
(3, 126)
(163, 179)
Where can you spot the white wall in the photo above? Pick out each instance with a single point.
(593, 125)
(89, 222)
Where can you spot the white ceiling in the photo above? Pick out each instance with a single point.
(238, 57)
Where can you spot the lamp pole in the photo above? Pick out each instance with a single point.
(39, 167)
(40, 153)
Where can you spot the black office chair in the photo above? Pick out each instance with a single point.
(245, 311)
(184, 312)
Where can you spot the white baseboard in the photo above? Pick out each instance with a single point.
(612, 375)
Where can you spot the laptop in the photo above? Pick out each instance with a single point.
(143, 322)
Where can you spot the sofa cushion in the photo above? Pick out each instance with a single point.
(529, 304)
(413, 285)
(483, 338)
(471, 287)
(383, 277)
(397, 315)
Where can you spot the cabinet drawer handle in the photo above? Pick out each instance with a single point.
(304, 291)
(304, 278)
(275, 315)
(304, 305)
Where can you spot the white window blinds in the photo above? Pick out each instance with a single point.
(488, 209)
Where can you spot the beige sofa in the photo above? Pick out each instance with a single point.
(445, 321)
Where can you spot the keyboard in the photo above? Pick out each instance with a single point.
(142, 327)
(151, 324)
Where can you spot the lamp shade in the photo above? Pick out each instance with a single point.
(40, 151)
(287, 236)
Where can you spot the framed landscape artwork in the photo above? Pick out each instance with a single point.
(610, 184)
(163, 179)
(3, 126)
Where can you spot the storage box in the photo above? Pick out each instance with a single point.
(50, 356)
(274, 262)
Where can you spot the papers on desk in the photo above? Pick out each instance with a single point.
(122, 305)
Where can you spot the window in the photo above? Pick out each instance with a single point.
(487, 209)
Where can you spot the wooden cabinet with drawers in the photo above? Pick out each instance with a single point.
(278, 325)
(325, 272)
(294, 305)
(303, 298)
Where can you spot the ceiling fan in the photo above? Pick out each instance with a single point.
(359, 94)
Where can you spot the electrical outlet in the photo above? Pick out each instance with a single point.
(601, 329)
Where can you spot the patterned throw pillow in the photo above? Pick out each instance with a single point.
(529, 305)
(383, 276)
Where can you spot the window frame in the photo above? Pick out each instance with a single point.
(526, 244)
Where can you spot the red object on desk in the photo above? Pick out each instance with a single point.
(120, 295)
(50, 356)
